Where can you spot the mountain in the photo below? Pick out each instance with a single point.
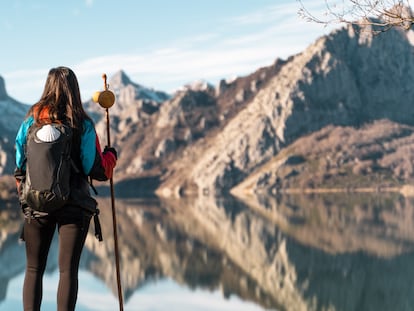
(376, 156)
(129, 116)
(348, 78)
(131, 98)
(127, 90)
(12, 113)
(149, 140)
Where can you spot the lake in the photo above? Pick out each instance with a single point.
(296, 252)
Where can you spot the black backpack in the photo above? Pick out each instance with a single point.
(48, 167)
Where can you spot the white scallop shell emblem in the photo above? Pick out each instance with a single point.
(48, 133)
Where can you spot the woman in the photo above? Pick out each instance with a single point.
(61, 102)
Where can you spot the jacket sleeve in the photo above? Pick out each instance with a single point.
(20, 143)
(96, 164)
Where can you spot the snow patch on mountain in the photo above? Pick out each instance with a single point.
(197, 85)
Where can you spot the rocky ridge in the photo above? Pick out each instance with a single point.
(346, 78)
(377, 156)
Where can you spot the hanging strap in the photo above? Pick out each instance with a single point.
(97, 225)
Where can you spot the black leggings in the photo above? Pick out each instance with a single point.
(72, 223)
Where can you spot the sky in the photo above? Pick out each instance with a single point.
(160, 44)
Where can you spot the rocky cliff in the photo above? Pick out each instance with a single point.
(347, 78)
(377, 156)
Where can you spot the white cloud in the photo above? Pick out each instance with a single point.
(209, 57)
(267, 14)
(233, 51)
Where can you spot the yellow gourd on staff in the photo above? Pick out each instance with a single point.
(105, 98)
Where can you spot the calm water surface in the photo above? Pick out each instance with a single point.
(321, 252)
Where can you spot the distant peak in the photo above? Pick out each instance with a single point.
(3, 93)
(120, 78)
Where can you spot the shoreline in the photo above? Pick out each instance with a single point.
(406, 190)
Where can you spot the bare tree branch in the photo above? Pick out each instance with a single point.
(382, 13)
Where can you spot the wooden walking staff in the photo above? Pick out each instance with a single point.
(106, 99)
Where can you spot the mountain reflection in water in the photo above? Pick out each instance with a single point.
(314, 252)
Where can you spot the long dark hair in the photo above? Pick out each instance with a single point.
(61, 98)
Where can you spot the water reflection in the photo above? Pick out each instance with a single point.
(316, 252)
